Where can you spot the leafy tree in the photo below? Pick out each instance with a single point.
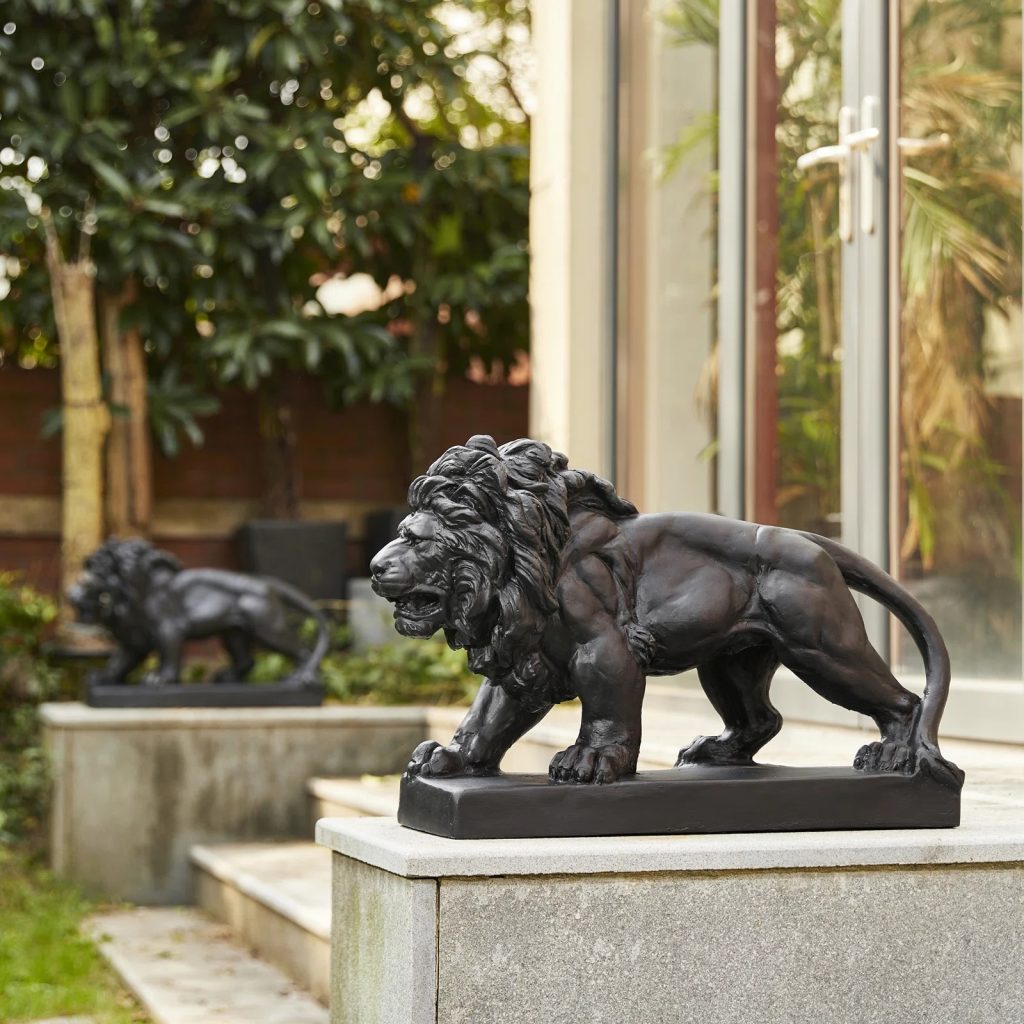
(222, 158)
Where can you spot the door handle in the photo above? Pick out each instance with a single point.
(840, 155)
(911, 147)
(852, 142)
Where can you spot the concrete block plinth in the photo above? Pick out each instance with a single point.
(801, 928)
(134, 789)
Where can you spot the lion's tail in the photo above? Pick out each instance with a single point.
(306, 674)
(866, 577)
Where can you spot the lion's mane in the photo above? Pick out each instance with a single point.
(504, 517)
(126, 569)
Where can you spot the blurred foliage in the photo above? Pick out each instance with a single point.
(26, 679)
(227, 156)
(414, 672)
(961, 274)
(175, 408)
(420, 672)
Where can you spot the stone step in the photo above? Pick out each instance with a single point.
(371, 796)
(185, 969)
(276, 898)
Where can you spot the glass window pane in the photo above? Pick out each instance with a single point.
(795, 334)
(668, 92)
(959, 529)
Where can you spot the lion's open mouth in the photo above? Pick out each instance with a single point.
(420, 604)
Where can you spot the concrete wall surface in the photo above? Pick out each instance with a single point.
(916, 940)
(135, 789)
(805, 947)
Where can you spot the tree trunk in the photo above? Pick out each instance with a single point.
(424, 415)
(425, 421)
(129, 453)
(281, 483)
(73, 286)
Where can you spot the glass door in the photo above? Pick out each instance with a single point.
(957, 346)
(795, 330)
(883, 321)
(817, 364)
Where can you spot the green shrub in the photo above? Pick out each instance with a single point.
(26, 679)
(415, 672)
(405, 672)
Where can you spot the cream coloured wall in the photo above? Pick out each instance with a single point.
(571, 231)
(677, 285)
(665, 257)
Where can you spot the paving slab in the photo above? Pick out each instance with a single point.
(369, 796)
(186, 969)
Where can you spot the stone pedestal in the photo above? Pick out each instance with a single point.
(134, 789)
(806, 928)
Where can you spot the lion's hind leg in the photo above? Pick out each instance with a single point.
(737, 686)
(239, 649)
(282, 640)
(862, 682)
(821, 637)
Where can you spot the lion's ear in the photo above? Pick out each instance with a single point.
(150, 567)
(483, 443)
(164, 562)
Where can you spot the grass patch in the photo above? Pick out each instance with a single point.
(47, 968)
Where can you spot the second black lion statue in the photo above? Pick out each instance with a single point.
(150, 604)
(558, 588)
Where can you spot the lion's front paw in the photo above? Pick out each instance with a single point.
(885, 756)
(601, 765)
(430, 758)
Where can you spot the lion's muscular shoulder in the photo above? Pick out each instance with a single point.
(588, 596)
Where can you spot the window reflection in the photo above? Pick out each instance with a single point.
(797, 305)
(960, 345)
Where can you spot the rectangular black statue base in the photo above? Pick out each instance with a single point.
(676, 801)
(204, 695)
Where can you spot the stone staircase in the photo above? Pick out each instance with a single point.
(263, 908)
(275, 897)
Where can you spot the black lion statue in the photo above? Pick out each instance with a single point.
(558, 588)
(149, 603)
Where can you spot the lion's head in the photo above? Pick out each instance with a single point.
(480, 552)
(116, 578)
